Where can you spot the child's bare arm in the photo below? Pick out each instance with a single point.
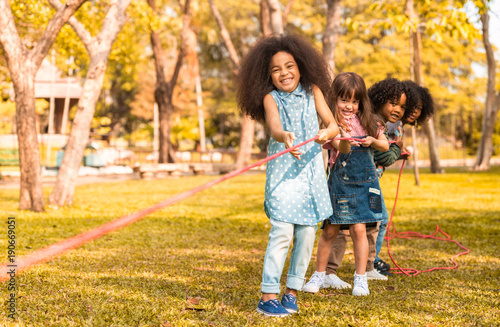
(343, 146)
(326, 116)
(274, 123)
(381, 143)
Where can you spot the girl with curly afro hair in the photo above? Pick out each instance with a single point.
(388, 99)
(420, 105)
(282, 81)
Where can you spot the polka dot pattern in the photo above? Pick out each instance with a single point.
(296, 190)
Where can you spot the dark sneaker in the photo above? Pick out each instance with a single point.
(272, 308)
(381, 266)
(385, 273)
(289, 302)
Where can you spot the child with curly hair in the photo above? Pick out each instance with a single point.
(390, 98)
(353, 179)
(418, 107)
(282, 81)
(421, 107)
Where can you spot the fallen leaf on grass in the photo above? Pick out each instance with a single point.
(390, 288)
(194, 301)
(254, 251)
(306, 304)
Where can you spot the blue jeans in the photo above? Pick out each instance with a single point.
(382, 230)
(280, 237)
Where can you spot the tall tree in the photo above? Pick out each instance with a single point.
(99, 48)
(247, 124)
(416, 40)
(492, 103)
(164, 88)
(272, 18)
(331, 34)
(276, 17)
(23, 64)
(437, 19)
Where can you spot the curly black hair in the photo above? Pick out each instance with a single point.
(389, 89)
(254, 76)
(418, 96)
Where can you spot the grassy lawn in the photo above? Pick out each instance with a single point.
(199, 262)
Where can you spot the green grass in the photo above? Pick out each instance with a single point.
(199, 262)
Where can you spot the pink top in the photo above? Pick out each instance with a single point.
(354, 124)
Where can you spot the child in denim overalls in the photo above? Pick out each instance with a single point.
(282, 80)
(353, 180)
(388, 99)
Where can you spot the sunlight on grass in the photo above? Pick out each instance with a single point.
(199, 262)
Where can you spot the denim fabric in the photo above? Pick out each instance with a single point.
(296, 190)
(382, 230)
(354, 188)
(280, 237)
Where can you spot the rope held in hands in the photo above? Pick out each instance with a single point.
(54, 250)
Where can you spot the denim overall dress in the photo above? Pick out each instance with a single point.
(354, 188)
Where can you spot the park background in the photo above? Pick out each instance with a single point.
(172, 65)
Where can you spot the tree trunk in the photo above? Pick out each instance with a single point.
(331, 35)
(164, 89)
(246, 142)
(271, 17)
(99, 48)
(226, 37)
(265, 18)
(64, 189)
(330, 39)
(491, 106)
(31, 195)
(419, 79)
(276, 17)
(23, 65)
(163, 97)
(247, 125)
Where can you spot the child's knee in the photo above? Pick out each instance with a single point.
(358, 229)
(329, 233)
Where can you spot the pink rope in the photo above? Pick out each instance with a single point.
(410, 235)
(353, 139)
(54, 250)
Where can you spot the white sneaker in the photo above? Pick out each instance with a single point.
(360, 285)
(374, 274)
(314, 284)
(334, 281)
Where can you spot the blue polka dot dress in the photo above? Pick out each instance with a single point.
(296, 190)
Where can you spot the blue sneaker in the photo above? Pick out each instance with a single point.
(272, 308)
(289, 302)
